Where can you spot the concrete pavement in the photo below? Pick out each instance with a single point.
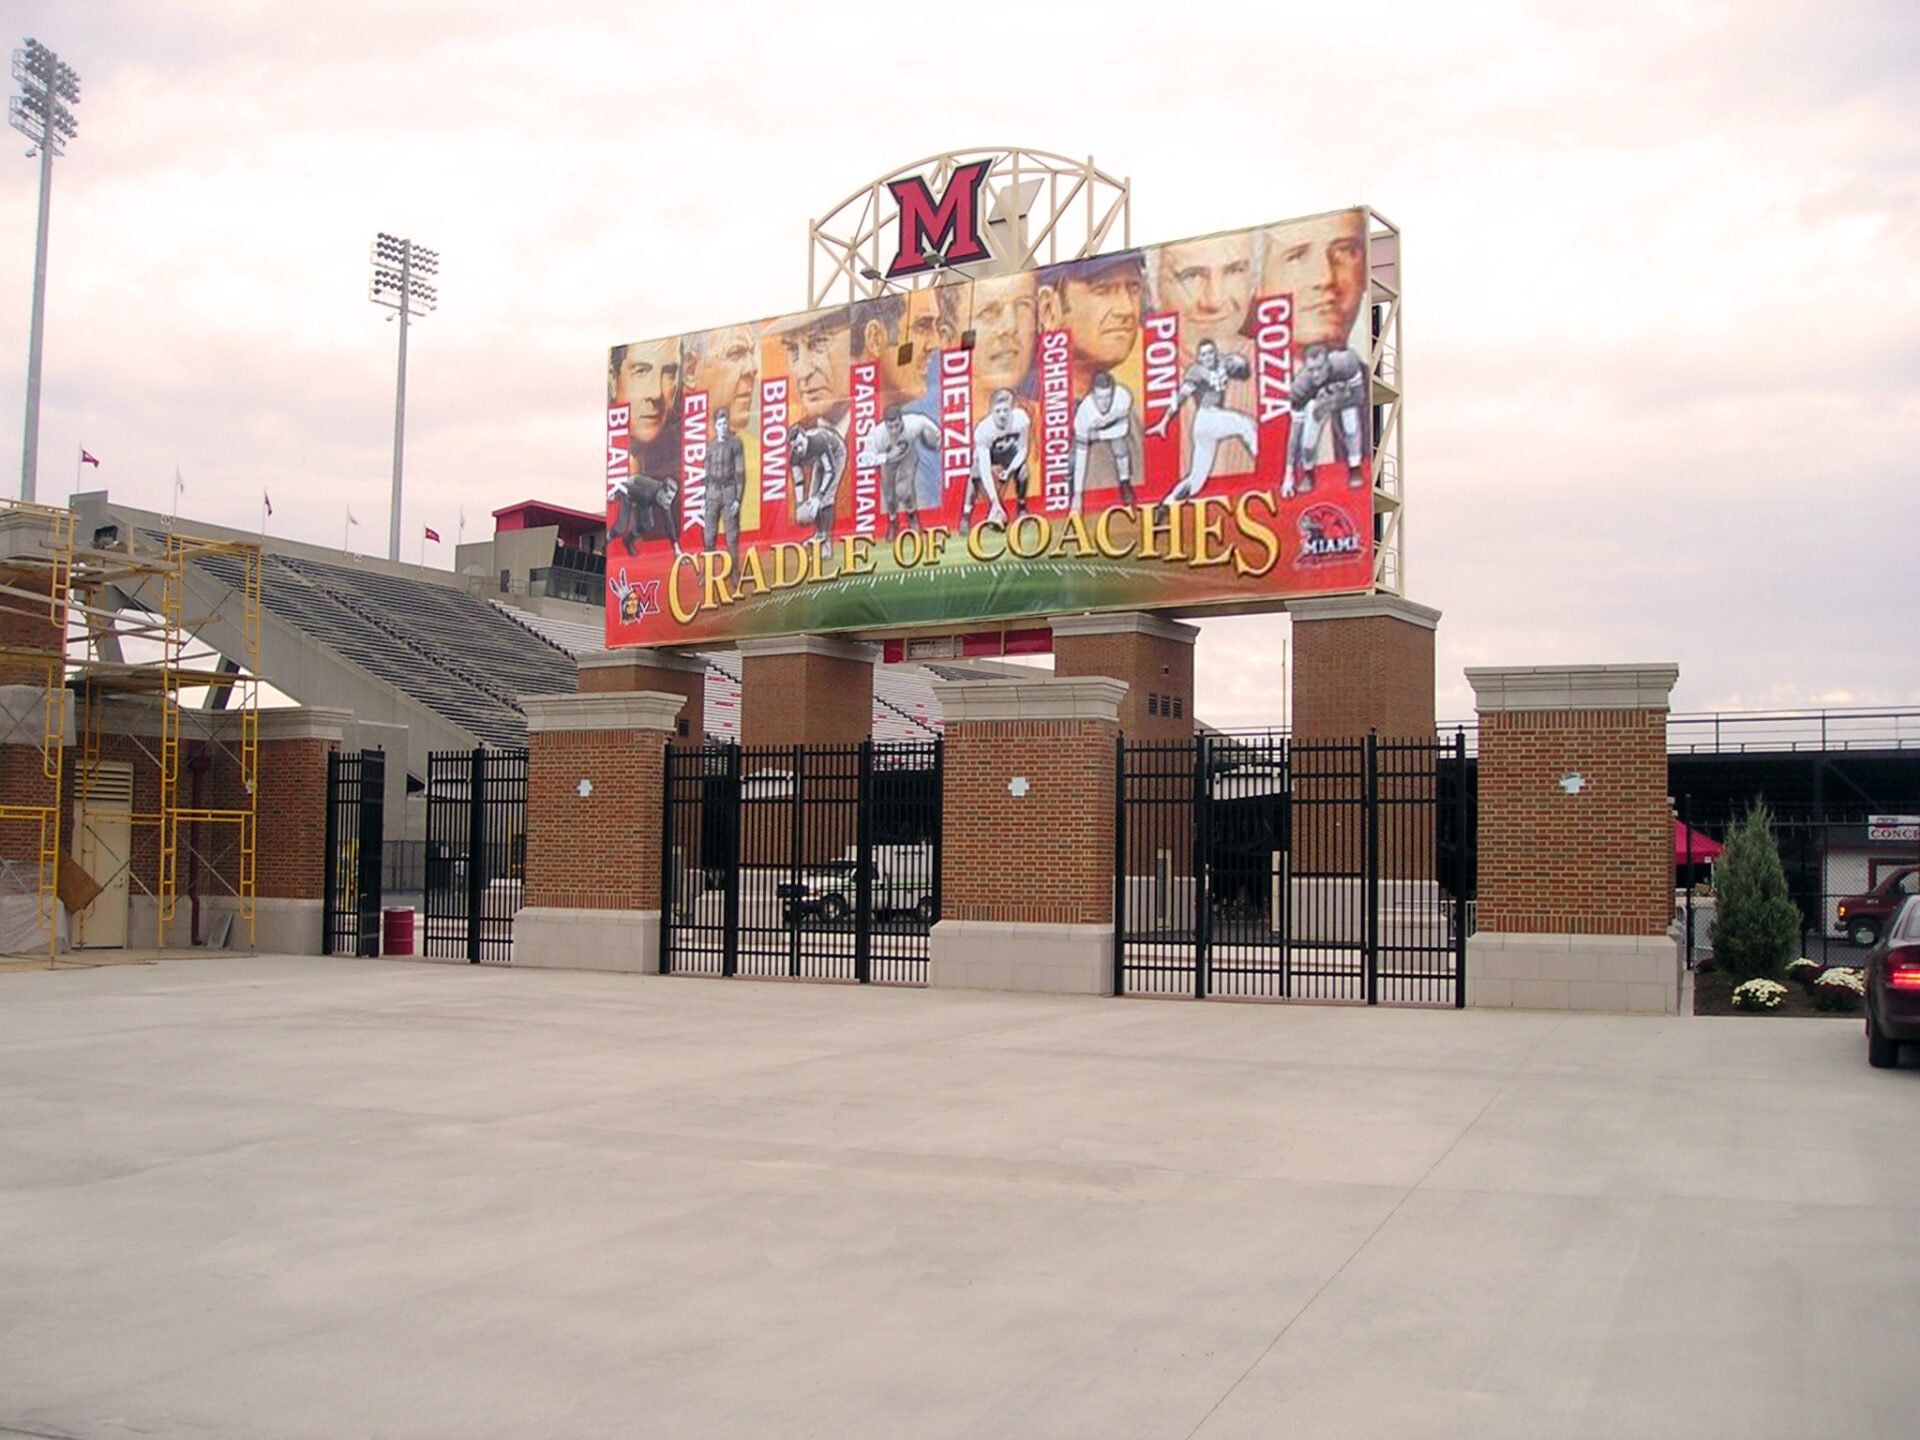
(323, 1198)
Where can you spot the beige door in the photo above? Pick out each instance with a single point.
(103, 844)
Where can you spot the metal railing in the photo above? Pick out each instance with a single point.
(1724, 732)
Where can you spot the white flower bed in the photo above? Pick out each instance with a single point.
(1801, 968)
(1759, 995)
(1841, 978)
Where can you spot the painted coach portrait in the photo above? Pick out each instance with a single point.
(1097, 301)
(645, 377)
(813, 351)
(1322, 263)
(726, 364)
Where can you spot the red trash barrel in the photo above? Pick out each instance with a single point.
(396, 931)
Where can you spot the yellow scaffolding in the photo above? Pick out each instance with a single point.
(103, 599)
(35, 596)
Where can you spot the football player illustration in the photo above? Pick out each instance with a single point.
(1331, 383)
(726, 485)
(643, 510)
(1206, 384)
(901, 333)
(819, 458)
(894, 445)
(1000, 446)
(1104, 418)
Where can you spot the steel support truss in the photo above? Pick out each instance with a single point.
(1384, 371)
(1038, 208)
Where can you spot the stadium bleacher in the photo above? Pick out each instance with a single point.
(453, 653)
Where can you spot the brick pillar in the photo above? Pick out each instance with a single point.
(806, 690)
(665, 672)
(1154, 657)
(1576, 840)
(1361, 663)
(290, 859)
(594, 811)
(1026, 876)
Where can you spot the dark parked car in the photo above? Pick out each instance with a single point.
(1893, 988)
(1862, 918)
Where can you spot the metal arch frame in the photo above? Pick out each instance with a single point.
(1385, 374)
(851, 236)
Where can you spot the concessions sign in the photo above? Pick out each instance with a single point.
(1182, 426)
(1893, 827)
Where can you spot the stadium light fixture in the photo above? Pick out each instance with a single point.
(401, 271)
(48, 85)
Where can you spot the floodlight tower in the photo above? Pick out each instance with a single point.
(400, 272)
(39, 112)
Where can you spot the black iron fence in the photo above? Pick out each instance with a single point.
(475, 856)
(802, 862)
(1259, 867)
(356, 815)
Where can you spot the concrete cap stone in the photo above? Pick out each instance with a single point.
(641, 657)
(1088, 697)
(619, 710)
(829, 645)
(1124, 622)
(305, 722)
(1363, 607)
(1498, 688)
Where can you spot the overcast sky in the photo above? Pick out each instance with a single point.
(1662, 267)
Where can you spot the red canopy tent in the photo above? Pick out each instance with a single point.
(1704, 848)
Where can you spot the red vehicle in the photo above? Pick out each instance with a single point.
(1862, 918)
(1893, 988)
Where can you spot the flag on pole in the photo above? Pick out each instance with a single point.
(433, 534)
(86, 459)
(267, 500)
(350, 519)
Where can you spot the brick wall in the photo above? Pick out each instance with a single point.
(805, 699)
(1594, 863)
(26, 625)
(291, 858)
(23, 781)
(1361, 673)
(601, 851)
(1045, 858)
(1158, 672)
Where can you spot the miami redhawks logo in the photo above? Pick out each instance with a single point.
(949, 230)
(1327, 533)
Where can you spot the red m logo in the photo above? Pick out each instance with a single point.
(949, 230)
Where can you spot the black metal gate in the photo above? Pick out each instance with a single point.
(802, 862)
(1261, 868)
(356, 815)
(476, 853)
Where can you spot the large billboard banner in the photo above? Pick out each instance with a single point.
(1184, 426)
